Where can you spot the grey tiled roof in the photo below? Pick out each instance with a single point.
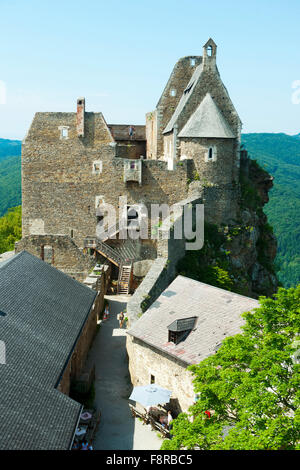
(45, 311)
(218, 311)
(207, 121)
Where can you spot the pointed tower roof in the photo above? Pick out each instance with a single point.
(207, 121)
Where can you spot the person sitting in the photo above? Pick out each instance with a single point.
(163, 421)
(84, 445)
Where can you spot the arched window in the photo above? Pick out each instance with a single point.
(209, 51)
(211, 154)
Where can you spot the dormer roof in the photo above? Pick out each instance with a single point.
(207, 121)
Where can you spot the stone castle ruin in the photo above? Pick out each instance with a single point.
(188, 152)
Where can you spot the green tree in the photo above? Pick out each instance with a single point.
(251, 386)
(10, 229)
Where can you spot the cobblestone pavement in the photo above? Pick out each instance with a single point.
(117, 429)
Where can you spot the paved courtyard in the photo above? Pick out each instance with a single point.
(117, 429)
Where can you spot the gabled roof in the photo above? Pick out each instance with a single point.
(218, 315)
(207, 121)
(184, 98)
(45, 311)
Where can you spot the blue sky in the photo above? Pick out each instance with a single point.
(119, 55)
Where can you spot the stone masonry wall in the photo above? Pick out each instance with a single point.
(77, 360)
(163, 270)
(60, 187)
(222, 169)
(167, 104)
(169, 373)
(66, 255)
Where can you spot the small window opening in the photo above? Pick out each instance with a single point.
(97, 167)
(172, 337)
(79, 102)
(99, 200)
(72, 233)
(132, 165)
(152, 379)
(173, 92)
(210, 153)
(47, 254)
(209, 51)
(192, 62)
(64, 133)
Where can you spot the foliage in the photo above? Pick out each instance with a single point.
(250, 197)
(280, 156)
(198, 264)
(10, 229)
(10, 183)
(251, 386)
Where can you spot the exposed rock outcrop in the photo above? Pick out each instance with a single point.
(239, 256)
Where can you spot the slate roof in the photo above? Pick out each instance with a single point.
(45, 311)
(218, 311)
(184, 98)
(207, 121)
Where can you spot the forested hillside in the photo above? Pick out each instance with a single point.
(9, 147)
(280, 155)
(10, 182)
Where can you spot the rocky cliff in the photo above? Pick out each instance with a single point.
(239, 256)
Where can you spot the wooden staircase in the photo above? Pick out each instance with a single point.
(124, 281)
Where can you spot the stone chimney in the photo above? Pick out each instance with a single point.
(80, 116)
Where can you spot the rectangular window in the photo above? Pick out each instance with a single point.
(48, 254)
(97, 167)
(64, 132)
(132, 165)
(152, 379)
(172, 337)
